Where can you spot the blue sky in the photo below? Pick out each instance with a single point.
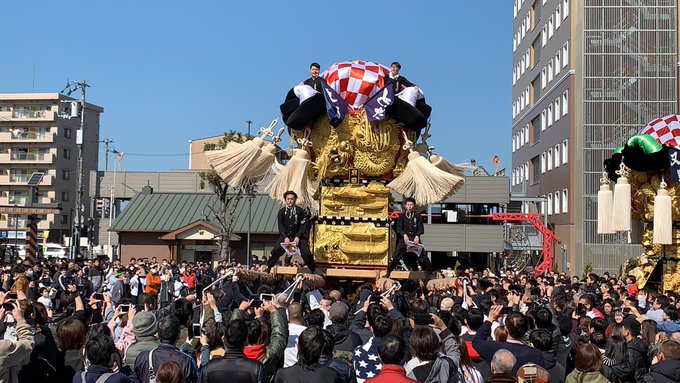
(170, 71)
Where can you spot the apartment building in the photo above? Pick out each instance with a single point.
(587, 74)
(34, 138)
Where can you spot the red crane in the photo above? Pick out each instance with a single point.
(548, 236)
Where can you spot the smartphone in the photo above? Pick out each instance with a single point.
(423, 319)
(98, 296)
(267, 297)
(626, 310)
(375, 298)
(506, 310)
(8, 307)
(580, 309)
(256, 303)
(12, 295)
(196, 330)
(124, 308)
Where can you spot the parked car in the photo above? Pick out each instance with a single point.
(54, 250)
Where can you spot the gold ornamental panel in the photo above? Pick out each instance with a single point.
(357, 201)
(354, 244)
(375, 149)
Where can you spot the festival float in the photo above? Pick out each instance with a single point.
(353, 143)
(646, 173)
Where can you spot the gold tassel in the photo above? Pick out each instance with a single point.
(423, 181)
(621, 206)
(604, 206)
(663, 219)
(295, 176)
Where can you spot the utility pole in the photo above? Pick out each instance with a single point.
(250, 216)
(78, 224)
(106, 143)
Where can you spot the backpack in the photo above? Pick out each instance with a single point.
(102, 379)
(152, 372)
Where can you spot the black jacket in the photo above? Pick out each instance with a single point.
(233, 367)
(620, 373)
(293, 222)
(666, 371)
(165, 353)
(342, 368)
(555, 369)
(412, 227)
(345, 340)
(397, 84)
(314, 83)
(637, 356)
(312, 374)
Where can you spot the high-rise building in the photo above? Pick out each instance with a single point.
(34, 138)
(587, 74)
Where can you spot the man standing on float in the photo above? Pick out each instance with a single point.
(294, 223)
(409, 227)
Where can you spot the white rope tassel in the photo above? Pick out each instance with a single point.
(605, 199)
(663, 216)
(622, 204)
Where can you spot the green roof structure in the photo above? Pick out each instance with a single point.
(166, 212)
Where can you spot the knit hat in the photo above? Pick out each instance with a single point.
(338, 309)
(144, 324)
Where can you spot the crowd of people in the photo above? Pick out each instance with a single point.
(170, 322)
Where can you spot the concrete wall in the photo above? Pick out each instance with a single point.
(463, 238)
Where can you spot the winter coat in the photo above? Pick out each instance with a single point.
(96, 371)
(136, 348)
(233, 367)
(637, 356)
(586, 377)
(620, 373)
(277, 341)
(345, 340)
(392, 373)
(345, 372)
(309, 374)
(14, 353)
(666, 371)
(554, 368)
(45, 360)
(443, 366)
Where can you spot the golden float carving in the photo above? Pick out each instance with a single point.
(361, 243)
(362, 201)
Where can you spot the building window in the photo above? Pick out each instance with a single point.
(557, 155)
(64, 196)
(63, 218)
(521, 136)
(67, 132)
(565, 54)
(550, 115)
(543, 162)
(514, 143)
(544, 35)
(565, 9)
(550, 204)
(565, 200)
(66, 153)
(558, 16)
(557, 202)
(565, 151)
(526, 170)
(513, 177)
(514, 76)
(543, 120)
(558, 59)
(550, 70)
(65, 175)
(565, 102)
(526, 134)
(557, 109)
(550, 159)
(535, 170)
(543, 78)
(550, 27)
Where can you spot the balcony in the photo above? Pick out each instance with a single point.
(26, 158)
(28, 137)
(23, 200)
(28, 115)
(21, 179)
